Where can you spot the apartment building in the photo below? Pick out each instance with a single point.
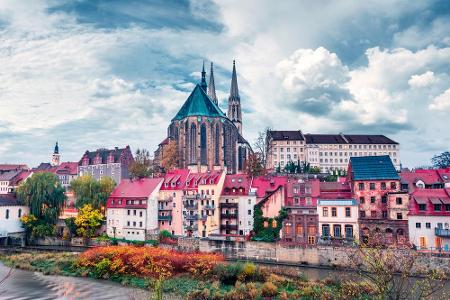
(429, 219)
(382, 205)
(328, 152)
(236, 205)
(132, 209)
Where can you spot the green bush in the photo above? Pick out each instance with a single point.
(101, 269)
(165, 234)
(228, 273)
(43, 230)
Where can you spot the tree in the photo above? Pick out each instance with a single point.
(44, 195)
(389, 271)
(262, 146)
(141, 167)
(314, 170)
(88, 221)
(170, 157)
(254, 165)
(442, 160)
(90, 191)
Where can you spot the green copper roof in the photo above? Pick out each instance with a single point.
(199, 104)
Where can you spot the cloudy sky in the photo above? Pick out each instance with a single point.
(94, 74)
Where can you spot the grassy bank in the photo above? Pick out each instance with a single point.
(191, 276)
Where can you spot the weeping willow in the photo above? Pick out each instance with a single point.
(90, 191)
(44, 195)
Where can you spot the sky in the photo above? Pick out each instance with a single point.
(99, 74)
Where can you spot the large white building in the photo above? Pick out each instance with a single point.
(326, 151)
(132, 209)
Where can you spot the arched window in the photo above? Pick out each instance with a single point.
(203, 154)
(217, 145)
(225, 144)
(193, 144)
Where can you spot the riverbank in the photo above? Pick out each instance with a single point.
(219, 281)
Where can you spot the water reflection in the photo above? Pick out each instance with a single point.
(32, 285)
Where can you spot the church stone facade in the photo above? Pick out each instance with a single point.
(207, 139)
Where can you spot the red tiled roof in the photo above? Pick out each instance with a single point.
(240, 182)
(9, 167)
(444, 174)
(196, 179)
(68, 167)
(267, 184)
(141, 188)
(178, 176)
(20, 177)
(432, 194)
(427, 176)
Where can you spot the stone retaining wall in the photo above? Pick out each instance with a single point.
(326, 256)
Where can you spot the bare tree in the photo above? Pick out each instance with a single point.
(263, 145)
(397, 273)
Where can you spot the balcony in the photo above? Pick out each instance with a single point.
(191, 217)
(192, 228)
(229, 205)
(166, 199)
(190, 206)
(165, 218)
(229, 216)
(442, 232)
(192, 197)
(228, 227)
(209, 206)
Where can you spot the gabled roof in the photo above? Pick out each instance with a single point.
(8, 176)
(199, 104)
(141, 188)
(427, 176)
(236, 181)
(265, 185)
(178, 177)
(288, 135)
(373, 168)
(104, 153)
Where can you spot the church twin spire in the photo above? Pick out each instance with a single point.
(234, 100)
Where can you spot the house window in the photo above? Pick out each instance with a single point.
(398, 201)
(383, 186)
(372, 199)
(140, 224)
(348, 231)
(372, 186)
(373, 213)
(333, 212)
(447, 207)
(361, 186)
(362, 214)
(348, 213)
(361, 200)
(128, 223)
(384, 199)
(249, 212)
(7, 214)
(140, 214)
(325, 211)
(325, 230)
(437, 207)
(134, 212)
(418, 225)
(384, 213)
(337, 231)
(393, 185)
(399, 216)
(422, 207)
(428, 225)
(20, 212)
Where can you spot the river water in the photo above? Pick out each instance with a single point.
(21, 285)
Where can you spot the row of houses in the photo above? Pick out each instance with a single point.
(374, 203)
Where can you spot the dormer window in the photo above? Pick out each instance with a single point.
(85, 161)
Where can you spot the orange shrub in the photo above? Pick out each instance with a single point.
(146, 262)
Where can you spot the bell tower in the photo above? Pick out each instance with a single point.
(56, 156)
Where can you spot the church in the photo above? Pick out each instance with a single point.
(206, 137)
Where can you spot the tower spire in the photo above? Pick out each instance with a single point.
(234, 90)
(203, 82)
(234, 101)
(212, 86)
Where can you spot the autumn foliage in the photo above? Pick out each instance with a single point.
(145, 262)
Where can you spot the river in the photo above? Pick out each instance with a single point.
(21, 285)
(24, 285)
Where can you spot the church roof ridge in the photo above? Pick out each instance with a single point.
(199, 104)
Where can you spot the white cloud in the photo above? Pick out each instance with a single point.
(422, 80)
(441, 102)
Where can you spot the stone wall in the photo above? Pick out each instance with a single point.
(188, 244)
(325, 256)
